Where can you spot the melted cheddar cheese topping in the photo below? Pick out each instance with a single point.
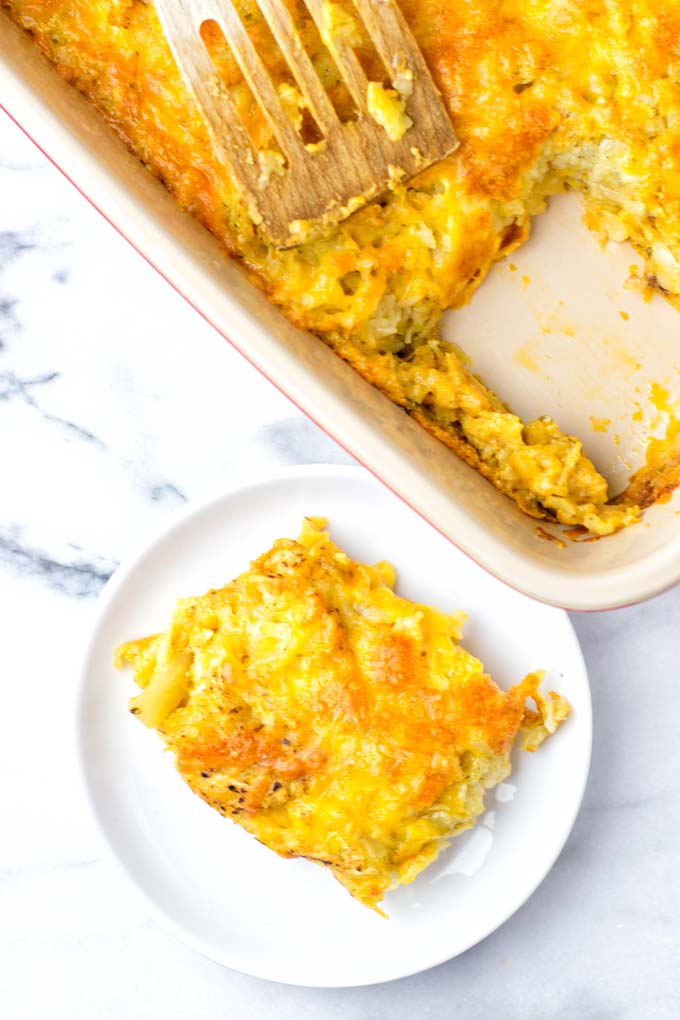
(544, 95)
(329, 717)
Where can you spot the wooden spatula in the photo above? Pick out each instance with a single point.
(354, 162)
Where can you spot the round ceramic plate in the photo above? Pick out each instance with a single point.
(228, 896)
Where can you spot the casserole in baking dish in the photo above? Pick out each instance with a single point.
(427, 476)
(537, 108)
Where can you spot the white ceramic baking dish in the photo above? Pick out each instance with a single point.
(544, 330)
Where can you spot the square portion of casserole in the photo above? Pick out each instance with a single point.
(331, 718)
(543, 95)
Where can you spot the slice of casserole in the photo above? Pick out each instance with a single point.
(329, 717)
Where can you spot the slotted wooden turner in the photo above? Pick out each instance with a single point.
(356, 161)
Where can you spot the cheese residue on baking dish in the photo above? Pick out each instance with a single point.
(543, 96)
(331, 718)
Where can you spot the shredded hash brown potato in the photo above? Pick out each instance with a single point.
(331, 718)
(544, 95)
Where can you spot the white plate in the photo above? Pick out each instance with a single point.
(228, 896)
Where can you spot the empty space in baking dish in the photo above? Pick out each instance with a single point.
(513, 331)
(558, 328)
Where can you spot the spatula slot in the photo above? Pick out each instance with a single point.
(325, 66)
(246, 105)
(357, 38)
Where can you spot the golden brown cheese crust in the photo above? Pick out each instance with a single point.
(543, 94)
(329, 717)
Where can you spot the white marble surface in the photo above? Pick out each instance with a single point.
(117, 403)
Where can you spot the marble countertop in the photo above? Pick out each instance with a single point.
(107, 425)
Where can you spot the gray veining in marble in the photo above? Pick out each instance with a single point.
(107, 426)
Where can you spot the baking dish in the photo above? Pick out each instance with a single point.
(546, 332)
